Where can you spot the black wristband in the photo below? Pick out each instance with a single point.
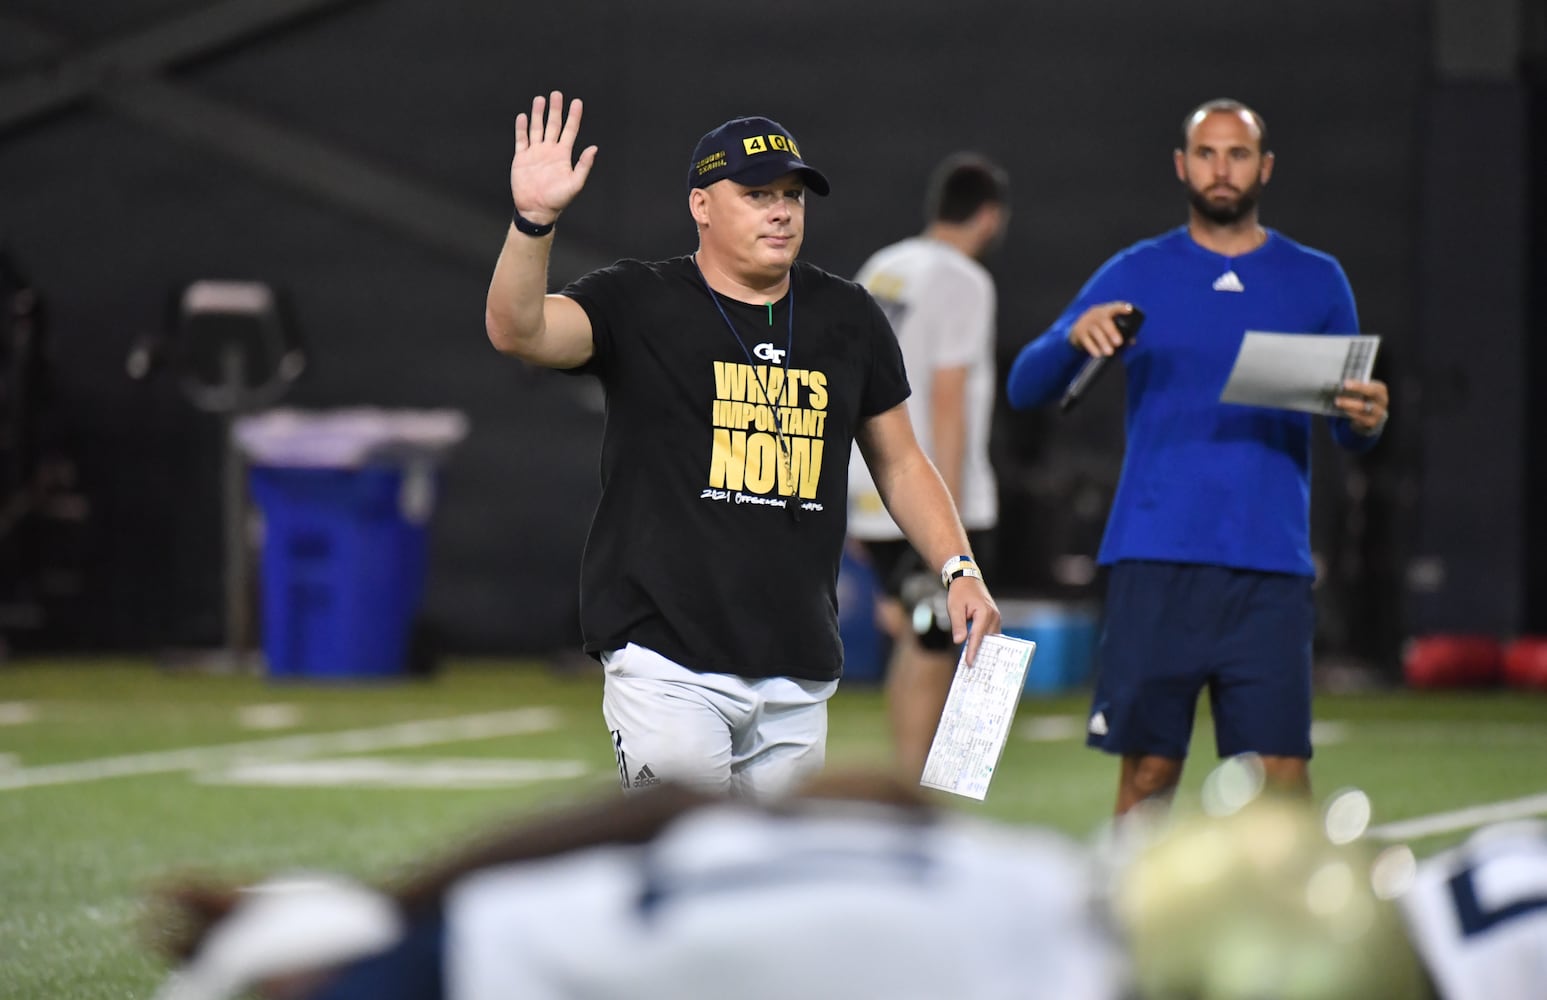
(528, 227)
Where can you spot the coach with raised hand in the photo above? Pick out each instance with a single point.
(736, 380)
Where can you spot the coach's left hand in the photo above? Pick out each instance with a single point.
(1367, 405)
(970, 603)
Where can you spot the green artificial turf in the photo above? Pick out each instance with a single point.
(77, 854)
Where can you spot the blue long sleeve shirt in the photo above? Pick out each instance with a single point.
(1204, 481)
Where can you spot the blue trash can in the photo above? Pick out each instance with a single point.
(865, 647)
(1066, 635)
(344, 554)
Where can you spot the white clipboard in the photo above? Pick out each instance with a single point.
(977, 717)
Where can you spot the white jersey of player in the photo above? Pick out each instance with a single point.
(1478, 915)
(836, 901)
(941, 305)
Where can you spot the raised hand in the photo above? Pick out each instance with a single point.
(545, 176)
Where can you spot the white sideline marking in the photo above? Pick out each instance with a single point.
(274, 716)
(1461, 819)
(424, 732)
(1052, 728)
(395, 772)
(1328, 733)
(16, 713)
(1058, 728)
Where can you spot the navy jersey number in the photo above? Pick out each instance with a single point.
(1474, 917)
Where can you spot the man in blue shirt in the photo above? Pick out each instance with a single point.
(1209, 534)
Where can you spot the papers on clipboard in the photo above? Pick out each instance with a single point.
(1298, 371)
(977, 717)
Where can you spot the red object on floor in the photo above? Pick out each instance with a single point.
(1525, 662)
(1434, 661)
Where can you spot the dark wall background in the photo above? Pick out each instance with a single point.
(355, 154)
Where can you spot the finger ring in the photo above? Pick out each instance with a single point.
(1369, 407)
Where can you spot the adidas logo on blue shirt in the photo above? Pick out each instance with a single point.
(1228, 282)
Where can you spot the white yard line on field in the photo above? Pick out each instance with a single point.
(1066, 728)
(16, 713)
(1461, 819)
(270, 717)
(393, 772)
(423, 732)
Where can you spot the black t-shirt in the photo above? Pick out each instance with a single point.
(721, 522)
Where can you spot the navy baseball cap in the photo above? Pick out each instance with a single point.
(750, 151)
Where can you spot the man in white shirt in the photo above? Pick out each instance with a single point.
(940, 300)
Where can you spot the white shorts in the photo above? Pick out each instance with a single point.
(752, 736)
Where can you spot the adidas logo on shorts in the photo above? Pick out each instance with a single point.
(645, 777)
(1098, 724)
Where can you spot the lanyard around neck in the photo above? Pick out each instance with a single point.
(792, 503)
(789, 335)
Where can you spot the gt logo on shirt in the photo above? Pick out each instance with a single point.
(768, 352)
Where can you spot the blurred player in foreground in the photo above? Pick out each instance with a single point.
(1478, 914)
(1275, 901)
(854, 888)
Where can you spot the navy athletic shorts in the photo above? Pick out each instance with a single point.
(1170, 630)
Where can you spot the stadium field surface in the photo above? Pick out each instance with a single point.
(114, 774)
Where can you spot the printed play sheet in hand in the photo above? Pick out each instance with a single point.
(977, 717)
(1298, 371)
